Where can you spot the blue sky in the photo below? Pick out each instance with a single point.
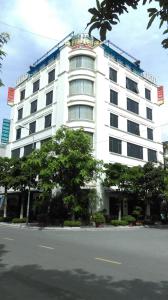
(52, 20)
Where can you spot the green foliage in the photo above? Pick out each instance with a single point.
(129, 219)
(71, 223)
(98, 218)
(67, 162)
(4, 37)
(5, 219)
(119, 223)
(18, 221)
(107, 13)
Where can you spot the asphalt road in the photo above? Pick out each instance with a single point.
(77, 265)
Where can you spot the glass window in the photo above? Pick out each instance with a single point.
(147, 94)
(132, 85)
(149, 113)
(80, 112)
(51, 76)
(81, 87)
(113, 120)
(16, 153)
(132, 106)
(18, 133)
(47, 121)
(115, 145)
(33, 107)
(49, 98)
(152, 155)
(20, 113)
(133, 127)
(81, 61)
(134, 151)
(113, 97)
(150, 134)
(29, 148)
(112, 74)
(32, 127)
(22, 95)
(36, 86)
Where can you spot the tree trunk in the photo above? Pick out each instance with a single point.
(119, 210)
(5, 203)
(21, 208)
(148, 211)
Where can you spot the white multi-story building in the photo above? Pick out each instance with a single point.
(84, 83)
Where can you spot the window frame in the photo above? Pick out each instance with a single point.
(114, 97)
(147, 94)
(22, 94)
(78, 108)
(20, 114)
(48, 100)
(113, 74)
(18, 133)
(36, 88)
(113, 120)
(118, 146)
(31, 106)
(150, 134)
(134, 147)
(131, 126)
(45, 121)
(34, 128)
(132, 85)
(151, 152)
(136, 104)
(149, 113)
(51, 77)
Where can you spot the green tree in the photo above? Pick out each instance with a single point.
(67, 162)
(107, 13)
(4, 37)
(6, 167)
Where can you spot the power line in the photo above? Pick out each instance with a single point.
(31, 32)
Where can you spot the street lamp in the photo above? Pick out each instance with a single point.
(28, 198)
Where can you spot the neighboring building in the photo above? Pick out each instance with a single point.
(84, 83)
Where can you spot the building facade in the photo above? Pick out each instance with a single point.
(84, 83)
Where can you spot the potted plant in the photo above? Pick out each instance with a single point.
(99, 219)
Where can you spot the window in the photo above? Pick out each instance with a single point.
(132, 106)
(29, 148)
(47, 121)
(150, 134)
(114, 145)
(49, 98)
(33, 107)
(18, 133)
(32, 127)
(51, 76)
(131, 85)
(147, 94)
(133, 127)
(113, 120)
(113, 97)
(45, 141)
(36, 86)
(112, 74)
(90, 135)
(149, 113)
(20, 113)
(134, 151)
(22, 95)
(81, 87)
(81, 61)
(80, 112)
(16, 153)
(152, 155)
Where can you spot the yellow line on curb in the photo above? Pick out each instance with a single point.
(108, 260)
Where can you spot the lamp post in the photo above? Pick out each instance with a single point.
(28, 198)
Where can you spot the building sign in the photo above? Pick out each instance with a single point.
(160, 95)
(11, 95)
(83, 41)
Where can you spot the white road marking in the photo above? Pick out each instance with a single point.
(9, 239)
(42, 246)
(108, 260)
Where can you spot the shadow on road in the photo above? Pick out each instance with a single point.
(31, 282)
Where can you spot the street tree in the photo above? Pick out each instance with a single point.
(6, 167)
(67, 162)
(4, 37)
(107, 12)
